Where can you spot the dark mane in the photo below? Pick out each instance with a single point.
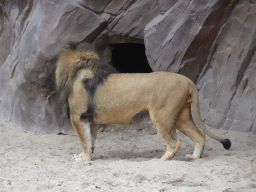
(75, 57)
(91, 84)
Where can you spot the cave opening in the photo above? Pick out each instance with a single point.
(130, 58)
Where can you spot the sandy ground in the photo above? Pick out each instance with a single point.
(123, 161)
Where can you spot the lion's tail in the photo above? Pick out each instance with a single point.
(195, 107)
(74, 58)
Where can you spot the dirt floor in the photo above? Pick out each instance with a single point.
(124, 160)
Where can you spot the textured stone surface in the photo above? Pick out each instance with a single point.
(211, 42)
(227, 88)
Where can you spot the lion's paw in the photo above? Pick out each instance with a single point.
(80, 157)
(191, 157)
(155, 159)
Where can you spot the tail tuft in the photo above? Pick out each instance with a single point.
(226, 143)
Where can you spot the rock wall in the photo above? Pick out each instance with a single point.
(211, 42)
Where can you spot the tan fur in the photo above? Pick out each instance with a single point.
(167, 97)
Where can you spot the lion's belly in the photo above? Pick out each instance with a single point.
(118, 110)
(113, 118)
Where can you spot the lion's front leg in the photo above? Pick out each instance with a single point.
(83, 131)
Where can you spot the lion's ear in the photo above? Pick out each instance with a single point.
(73, 45)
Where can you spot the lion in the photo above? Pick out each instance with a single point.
(92, 93)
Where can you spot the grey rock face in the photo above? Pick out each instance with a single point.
(211, 42)
(230, 73)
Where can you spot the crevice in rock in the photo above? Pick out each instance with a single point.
(207, 65)
(228, 58)
(129, 4)
(166, 6)
(244, 65)
(180, 14)
(250, 128)
(27, 10)
(14, 68)
(161, 54)
(2, 19)
(175, 57)
(245, 85)
(91, 37)
(224, 115)
(240, 55)
(114, 22)
(95, 12)
(208, 110)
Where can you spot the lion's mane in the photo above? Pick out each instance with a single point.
(74, 58)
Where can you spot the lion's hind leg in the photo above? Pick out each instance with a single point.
(83, 130)
(186, 125)
(168, 132)
(173, 144)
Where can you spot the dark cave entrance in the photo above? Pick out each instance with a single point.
(130, 58)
